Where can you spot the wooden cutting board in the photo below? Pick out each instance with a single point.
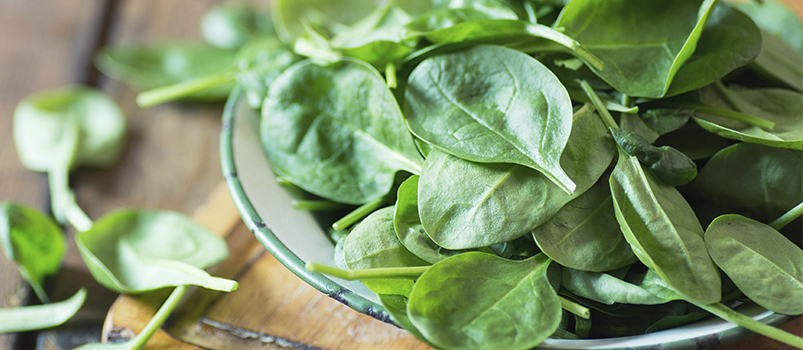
(273, 309)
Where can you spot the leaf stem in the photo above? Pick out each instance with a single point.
(159, 318)
(788, 217)
(737, 116)
(550, 34)
(315, 205)
(729, 315)
(357, 214)
(385, 272)
(221, 284)
(173, 92)
(606, 116)
(390, 75)
(574, 308)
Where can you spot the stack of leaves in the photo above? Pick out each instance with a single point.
(516, 205)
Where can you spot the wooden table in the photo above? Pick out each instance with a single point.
(171, 163)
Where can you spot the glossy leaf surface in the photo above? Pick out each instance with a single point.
(606, 289)
(260, 63)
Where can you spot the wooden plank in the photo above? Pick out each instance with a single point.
(43, 45)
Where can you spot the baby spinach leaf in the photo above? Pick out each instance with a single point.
(491, 302)
(29, 318)
(667, 163)
(779, 61)
(376, 39)
(770, 181)
(777, 19)
(373, 244)
(131, 251)
(408, 226)
(290, 16)
(260, 63)
(663, 231)
(231, 25)
(643, 43)
(764, 264)
(634, 123)
(335, 130)
(150, 67)
(730, 40)
(584, 235)
(606, 289)
(780, 106)
(434, 25)
(491, 104)
(463, 204)
(33, 242)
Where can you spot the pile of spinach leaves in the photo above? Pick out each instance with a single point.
(524, 169)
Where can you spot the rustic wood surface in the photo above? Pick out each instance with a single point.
(172, 163)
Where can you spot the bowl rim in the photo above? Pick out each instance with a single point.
(332, 289)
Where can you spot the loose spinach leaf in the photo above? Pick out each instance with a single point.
(667, 163)
(29, 318)
(769, 180)
(335, 130)
(584, 235)
(150, 67)
(780, 106)
(374, 244)
(779, 61)
(663, 231)
(260, 63)
(634, 123)
(606, 289)
(777, 19)
(481, 301)
(729, 41)
(764, 264)
(331, 16)
(33, 242)
(643, 43)
(463, 204)
(131, 251)
(231, 25)
(491, 104)
(376, 39)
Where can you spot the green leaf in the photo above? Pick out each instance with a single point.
(43, 121)
(769, 180)
(667, 163)
(463, 204)
(643, 43)
(331, 16)
(606, 289)
(259, 64)
(777, 18)
(30, 318)
(335, 130)
(663, 230)
(584, 235)
(779, 61)
(780, 106)
(481, 301)
(132, 251)
(231, 25)
(150, 67)
(33, 242)
(376, 39)
(373, 244)
(764, 264)
(491, 104)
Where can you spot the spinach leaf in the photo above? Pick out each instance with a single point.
(260, 63)
(634, 123)
(643, 43)
(779, 62)
(231, 25)
(58, 130)
(137, 251)
(463, 204)
(584, 235)
(335, 130)
(408, 226)
(33, 242)
(729, 41)
(35, 317)
(481, 301)
(331, 16)
(764, 264)
(396, 306)
(780, 106)
(150, 67)
(667, 163)
(606, 289)
(491, 104)
(376, 39)
(663, 231)
(777, 19)
(694, 141)
(373, 244)
(769, 180)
